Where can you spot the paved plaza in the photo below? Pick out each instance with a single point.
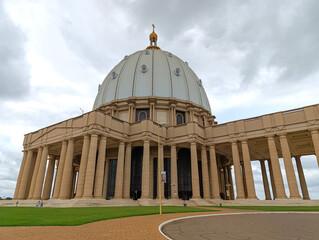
(281, 226)
(245, 226)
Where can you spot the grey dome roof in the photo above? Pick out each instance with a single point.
(152, 72)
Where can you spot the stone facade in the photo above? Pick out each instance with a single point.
(110, 153)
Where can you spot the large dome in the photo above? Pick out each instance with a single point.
(152, 72)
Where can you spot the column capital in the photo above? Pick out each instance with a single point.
(283, 135)
(244, 141)
(313, 131)
(212, 146)
(193, 143)
(94, 134)
(270, 136)
(233, 141)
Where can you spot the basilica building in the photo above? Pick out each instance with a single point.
(152, 134)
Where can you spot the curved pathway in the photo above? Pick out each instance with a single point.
(143, 227)
(262, 225)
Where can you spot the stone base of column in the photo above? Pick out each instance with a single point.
(294, 197)
(241, 198)
(280, 198)
(217, 198)
(196, 197)
(87, 197)
(253, 197)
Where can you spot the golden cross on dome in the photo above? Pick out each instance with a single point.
(153, 27)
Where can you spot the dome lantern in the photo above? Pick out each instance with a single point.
(153, 40)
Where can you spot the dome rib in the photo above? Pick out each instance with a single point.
(137, 62)
(170, 74)
(119, 79)
(185, 78)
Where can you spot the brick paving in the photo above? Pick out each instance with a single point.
(273, 226)
(142, 227)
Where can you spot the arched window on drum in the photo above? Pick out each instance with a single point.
(180, 117)
(142, 114)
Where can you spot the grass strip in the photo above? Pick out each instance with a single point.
(31, 216)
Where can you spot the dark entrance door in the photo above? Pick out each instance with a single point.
(184, 174)
(136, 173)
(111, 179)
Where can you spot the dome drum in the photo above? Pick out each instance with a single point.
(158, 109)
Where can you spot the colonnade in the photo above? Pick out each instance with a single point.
(245, 187)
(37, 170)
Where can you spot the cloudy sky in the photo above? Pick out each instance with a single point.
(254, 57)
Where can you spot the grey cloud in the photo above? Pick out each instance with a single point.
(14, 69)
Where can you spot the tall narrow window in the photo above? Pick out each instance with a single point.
(180, 117)
(142, 114)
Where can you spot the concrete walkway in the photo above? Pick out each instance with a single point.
(261, 225)
(143, 227)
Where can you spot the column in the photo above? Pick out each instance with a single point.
(174, 180)
(90, 168)
(251, 192)
(98, 183)
(272, 181)
(25, 177)
(106, 178)
(160, 163)
(146, 170)
(244, 179)
(315, 141)
(302, 179)
(195, 175)
(227, 190)
(238, 174)
(214, 173)
(48, 179)
(265, 179)
(35, 173)
(66, 183)
(290, 172)
(120, 172)
(39, 180)
(205, 173)
(83, 165)
(230, 181)
(222, 182)
(58, 178)
(279, 184)
(127, 171)
(16, 192)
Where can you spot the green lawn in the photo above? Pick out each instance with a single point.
(277, 208)
(31, 216)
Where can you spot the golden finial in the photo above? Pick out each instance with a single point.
(153, 40)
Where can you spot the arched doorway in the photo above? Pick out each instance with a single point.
(136, 173)
(184, 174)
